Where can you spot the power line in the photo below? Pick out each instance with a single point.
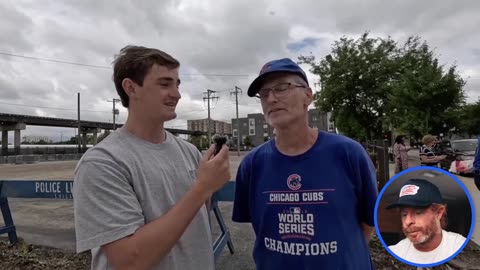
(187, 112)
(53, 108)
(53, 60)
(93, 111)
(198, 111)
(106, 67)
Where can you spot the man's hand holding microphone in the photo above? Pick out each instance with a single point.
(214, 168)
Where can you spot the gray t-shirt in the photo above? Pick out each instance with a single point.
(125, 182)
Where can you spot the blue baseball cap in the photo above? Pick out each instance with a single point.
(284, 65)
(418, 193)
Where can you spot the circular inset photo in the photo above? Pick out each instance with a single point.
(424, 216)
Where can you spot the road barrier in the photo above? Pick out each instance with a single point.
(62, 189)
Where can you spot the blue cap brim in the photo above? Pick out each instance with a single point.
(257, 83)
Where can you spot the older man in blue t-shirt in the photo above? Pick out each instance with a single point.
(476, 164)
(309, 195)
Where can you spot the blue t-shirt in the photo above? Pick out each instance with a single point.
(306, 210)
(476, 161)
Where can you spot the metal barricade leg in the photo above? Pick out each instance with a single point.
(225, 235)
(9, 226)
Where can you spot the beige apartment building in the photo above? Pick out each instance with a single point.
(217, 127)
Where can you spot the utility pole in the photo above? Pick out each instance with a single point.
(236, 92)
(114, 111)
(209, 96)
(79, 128)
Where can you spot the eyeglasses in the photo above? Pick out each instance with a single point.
(279, 90)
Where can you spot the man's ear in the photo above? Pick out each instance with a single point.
(309, 93)
(441, 212)
(129, 87)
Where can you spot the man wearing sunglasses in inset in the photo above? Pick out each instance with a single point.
(309, 195)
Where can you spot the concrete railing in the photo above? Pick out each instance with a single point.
(29, 159)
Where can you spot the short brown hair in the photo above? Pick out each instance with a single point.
(444, 219)
(134, 62)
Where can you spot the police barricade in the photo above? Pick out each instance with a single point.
(62, 189)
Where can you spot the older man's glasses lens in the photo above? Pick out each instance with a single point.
(278, 90)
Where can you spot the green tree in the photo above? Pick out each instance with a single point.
(73, 140)
(469, 119)
(425, 97)
(248, 141)
(372, 85)
(356, 79)
(200, 142)
(197, 141)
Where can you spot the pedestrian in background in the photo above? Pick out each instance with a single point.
(427, 156)
(400, 153)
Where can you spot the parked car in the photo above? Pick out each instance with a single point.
(462, 152)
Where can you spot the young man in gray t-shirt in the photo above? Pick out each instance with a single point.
(140, 195)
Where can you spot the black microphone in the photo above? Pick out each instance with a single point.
(219, 142)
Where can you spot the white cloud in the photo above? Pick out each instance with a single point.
(208, 37)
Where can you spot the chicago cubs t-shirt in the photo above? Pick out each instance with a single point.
(306, 210)
(476, 161)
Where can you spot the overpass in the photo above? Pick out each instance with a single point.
(18, 122)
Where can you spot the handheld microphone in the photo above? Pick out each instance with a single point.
(219, 142)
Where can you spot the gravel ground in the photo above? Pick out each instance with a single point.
(23, 256)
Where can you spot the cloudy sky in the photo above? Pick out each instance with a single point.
(220, 44)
